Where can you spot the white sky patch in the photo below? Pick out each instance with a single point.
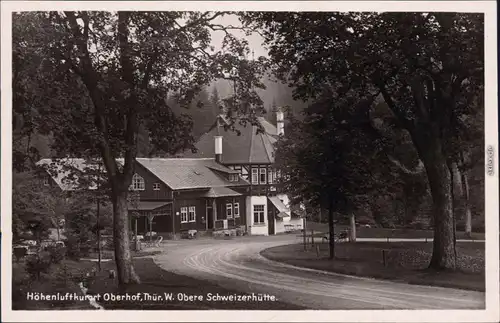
(254, 40)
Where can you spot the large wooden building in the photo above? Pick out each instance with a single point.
(170, 196)
(182, 194)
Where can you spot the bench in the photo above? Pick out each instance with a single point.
(189, 234)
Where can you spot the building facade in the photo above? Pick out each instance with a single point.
(249, 150)
(169, 196)
(172, 196)
(229, 184)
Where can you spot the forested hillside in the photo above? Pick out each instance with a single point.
(202, 110)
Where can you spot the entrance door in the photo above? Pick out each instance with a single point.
(270, 220)
(210, 217)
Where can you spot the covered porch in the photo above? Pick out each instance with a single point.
(150, 216)
(283, 218)
(224, 209)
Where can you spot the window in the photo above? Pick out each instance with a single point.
(192, 214)
(255, 176)
(233, 177)
(156, 186)
(236, 210)
(138, 183)
(263, 172)
(239, 170)
(271, 176)
(46, 181)
(258, 214)
(184, 214)
(229, 210)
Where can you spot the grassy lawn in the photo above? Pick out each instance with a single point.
(156, 281)
(110, 254)
(62, 278)
(404, 262)
(362, 232)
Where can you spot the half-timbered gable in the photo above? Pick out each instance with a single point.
(250, 151)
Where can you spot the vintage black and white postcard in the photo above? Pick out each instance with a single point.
(305, 161)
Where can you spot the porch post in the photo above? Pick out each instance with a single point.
(135, 232)
(206, 215)
(150, 220)
(174, 214)
(232, 212)
(214, 208)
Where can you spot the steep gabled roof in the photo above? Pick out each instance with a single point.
(221, 192)
(67, 172)
(189, 173)
(247, 147)
(177, 173)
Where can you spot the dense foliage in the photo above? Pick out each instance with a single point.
(101, 78)
(426, 67)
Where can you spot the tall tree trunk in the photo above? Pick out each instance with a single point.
(459, 203)
(438, 174)
(123, 257)
(352, 232)
(455, 200)
(468, 214)
(331, 226)
(89, 76)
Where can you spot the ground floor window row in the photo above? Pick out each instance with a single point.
(188, 214)
(258, 214)
(232, 210)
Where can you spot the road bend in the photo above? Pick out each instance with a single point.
(237, 265)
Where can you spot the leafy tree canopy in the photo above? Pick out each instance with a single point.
(427, 67)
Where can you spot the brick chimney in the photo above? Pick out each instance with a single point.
(280, 122)
(218, 149)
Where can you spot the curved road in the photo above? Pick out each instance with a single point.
(237, 265)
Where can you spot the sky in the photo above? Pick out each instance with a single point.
(255, 40)
(255, 43)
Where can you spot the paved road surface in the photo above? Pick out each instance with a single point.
(236, 264)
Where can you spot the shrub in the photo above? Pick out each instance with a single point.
(38, 264)
(419, 225)
(57, 253)
(73, 247)
(460, 227)
(85, 249)
(20, 252)
(63, 274)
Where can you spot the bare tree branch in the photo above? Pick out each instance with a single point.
(90, 79)
(419, 169)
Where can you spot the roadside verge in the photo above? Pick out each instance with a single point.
(401, 262)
